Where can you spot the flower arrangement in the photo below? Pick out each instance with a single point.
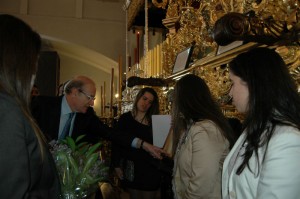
(79, 166)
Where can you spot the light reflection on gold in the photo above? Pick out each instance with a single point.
(196, 25)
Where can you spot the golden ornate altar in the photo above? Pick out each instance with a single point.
(271, 23)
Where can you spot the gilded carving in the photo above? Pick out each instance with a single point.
(275, 19)
(161, 4)
(173, 10)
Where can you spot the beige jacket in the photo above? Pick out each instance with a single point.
(198, 162)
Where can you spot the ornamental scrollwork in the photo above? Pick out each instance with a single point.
(161, 4)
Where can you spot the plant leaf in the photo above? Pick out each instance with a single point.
(90, 161)
(90, 180)
(81, 144)
(79, 138)
(83, 150)
(74, 165)
(71, 143)
(93, 149)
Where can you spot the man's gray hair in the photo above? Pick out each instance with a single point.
(75, 83)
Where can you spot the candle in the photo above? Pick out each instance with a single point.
(157, 60)
(135, 56)
(111, 92)
(104, 98)
(120, 85)
(129, 64)
(138, 46)
(101, 102)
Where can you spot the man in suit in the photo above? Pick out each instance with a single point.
(52, 114)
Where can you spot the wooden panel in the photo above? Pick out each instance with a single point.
(47, 78)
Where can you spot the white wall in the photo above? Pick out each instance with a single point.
(89, 35)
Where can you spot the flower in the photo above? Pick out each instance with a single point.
(79, 166)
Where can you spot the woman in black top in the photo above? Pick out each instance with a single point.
(133, 166)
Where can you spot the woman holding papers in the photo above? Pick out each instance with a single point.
(201, 140)
(132, 165)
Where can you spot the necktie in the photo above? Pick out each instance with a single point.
(67, 127)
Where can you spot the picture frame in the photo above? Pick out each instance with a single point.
(232, 45)
(183, 59)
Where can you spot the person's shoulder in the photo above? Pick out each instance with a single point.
(7, 102)
(47, 98)
(285, 131)
(90, 112)
(286, 139)
(126, 115)
(205, 124)
(10, 108)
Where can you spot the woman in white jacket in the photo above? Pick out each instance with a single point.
(264, 163)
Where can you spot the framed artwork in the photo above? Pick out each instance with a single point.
(183, 59)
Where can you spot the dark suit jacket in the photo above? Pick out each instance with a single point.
(46, 110)
(23, 172)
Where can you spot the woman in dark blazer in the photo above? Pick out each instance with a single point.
(27, 169)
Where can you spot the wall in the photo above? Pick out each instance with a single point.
(89, 35)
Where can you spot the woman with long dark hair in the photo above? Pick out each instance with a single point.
(201, 140)
(134, 166)
(265, 161)
(26, 166)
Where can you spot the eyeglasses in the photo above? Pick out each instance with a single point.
(88, 96)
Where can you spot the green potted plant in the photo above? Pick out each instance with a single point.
(79, 166)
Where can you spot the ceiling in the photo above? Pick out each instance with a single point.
(136, 16)
(79, 53)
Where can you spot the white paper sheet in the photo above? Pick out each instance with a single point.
(161, 125)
